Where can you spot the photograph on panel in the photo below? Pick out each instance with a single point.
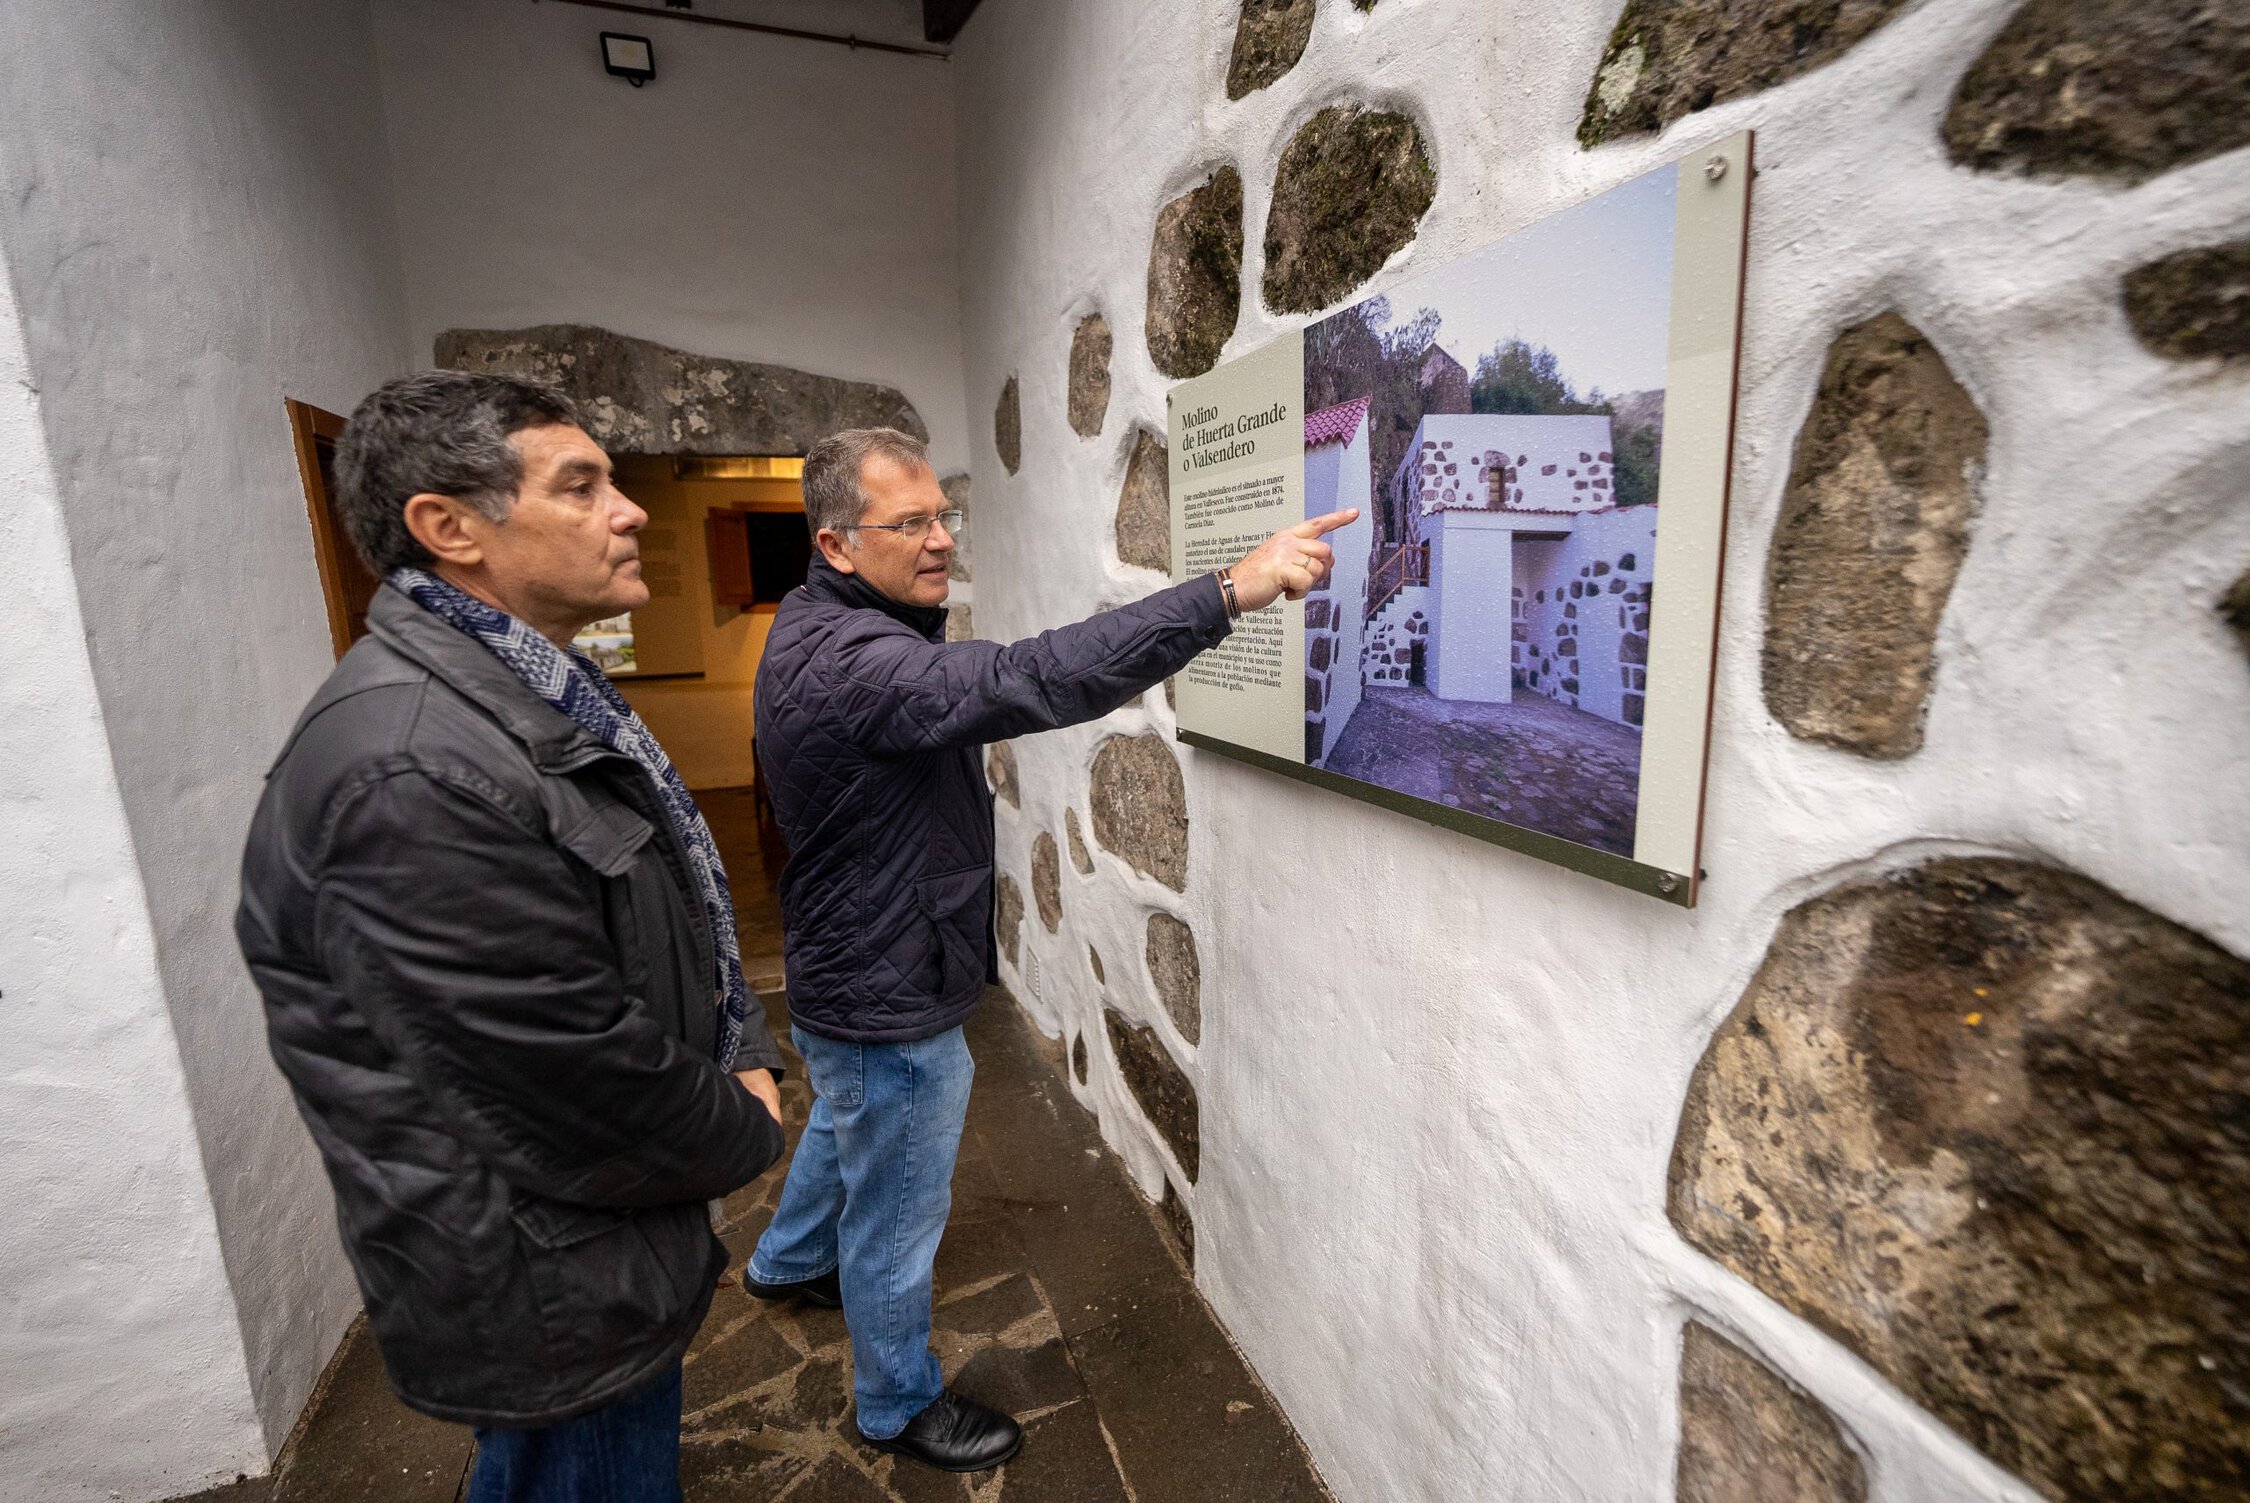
(1499, 422)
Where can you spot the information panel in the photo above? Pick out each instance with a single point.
(1517, 639)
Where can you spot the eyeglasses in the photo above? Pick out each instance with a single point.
(914, 529)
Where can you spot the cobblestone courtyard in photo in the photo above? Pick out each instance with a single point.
(1532, 762)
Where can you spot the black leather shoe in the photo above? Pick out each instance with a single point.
(826, 1291)
(956, 1434)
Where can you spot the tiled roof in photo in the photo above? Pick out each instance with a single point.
(1335, 425)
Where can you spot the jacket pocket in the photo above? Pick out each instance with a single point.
(606, 1281)
(958, 910)
(609, 838)
(556, 1224)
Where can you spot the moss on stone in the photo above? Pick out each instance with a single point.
(2193, 304)
(2123, 89)
(1669, 58)
(1195, 276)
(1351, 190)
(1269, 37)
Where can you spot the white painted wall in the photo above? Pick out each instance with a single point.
(1472, 566)
(761, 199)
(121, 1366)
(196, 217)
(1435, 1127)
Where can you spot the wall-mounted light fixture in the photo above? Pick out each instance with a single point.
(628, 57)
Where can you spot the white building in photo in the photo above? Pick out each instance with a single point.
(1339, 473)
(1518, 568)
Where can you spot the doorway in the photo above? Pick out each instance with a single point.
(345, 583)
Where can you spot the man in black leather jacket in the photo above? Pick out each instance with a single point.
(871, 730)
(492, 972)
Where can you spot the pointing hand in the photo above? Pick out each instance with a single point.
(1289, 563)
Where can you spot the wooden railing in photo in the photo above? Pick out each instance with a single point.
(1407, 564)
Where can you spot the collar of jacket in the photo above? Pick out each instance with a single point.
(554, 739)
(823, 582)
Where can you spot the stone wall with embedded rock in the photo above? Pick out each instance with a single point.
(1195, 275)
(1983, 1122)
(1985, 531)
(640, 397)
(1749, 1435)
(1349, 190)
(1269, 37)
(1873, 529)
(1089, 375)
(1144, 504)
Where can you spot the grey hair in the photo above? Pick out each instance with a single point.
(442, 432)
(833, 498)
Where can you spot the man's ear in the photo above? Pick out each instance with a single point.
(832, 548)
(441, 524)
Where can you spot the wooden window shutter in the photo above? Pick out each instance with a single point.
(727, 534)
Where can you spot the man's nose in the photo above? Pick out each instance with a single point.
(629, 517)
(939, 539)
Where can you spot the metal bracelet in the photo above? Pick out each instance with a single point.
(1226, 590)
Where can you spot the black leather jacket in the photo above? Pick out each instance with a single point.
(490, 983)
(871, 731)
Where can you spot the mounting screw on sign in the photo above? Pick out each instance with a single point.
(1715, 168)
(1667, 883)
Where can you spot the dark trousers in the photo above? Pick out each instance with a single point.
(625, 1452)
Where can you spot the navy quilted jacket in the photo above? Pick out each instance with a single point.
(871, 733)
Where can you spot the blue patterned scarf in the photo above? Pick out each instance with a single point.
(571, 683)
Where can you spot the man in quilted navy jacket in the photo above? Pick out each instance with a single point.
(871, 734)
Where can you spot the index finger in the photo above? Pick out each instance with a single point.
(1313, 527)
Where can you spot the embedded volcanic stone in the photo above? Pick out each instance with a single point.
(1352, 186)
(2193, 304)
(958, 626)
(1007, 426)
(1178, 975)
(1195, 276)
(1747, 1435)
(1078, 1058)
(956, 491)
(1080, 857)
(1669, 58)
(1089, 375)
(1165, 1096)
(1269, 37)
(1000, 772)
(1144, 506)
(1046, 881)
(2124, 89)
(1140, 807)
(1094, 959)
(2234, 608)
(639, 397)
(1988, 1124)
(1008, 915)
(1178, 1222)
(1872, 531)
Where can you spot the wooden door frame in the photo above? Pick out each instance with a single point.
(307, 424)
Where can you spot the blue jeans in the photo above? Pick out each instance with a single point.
(627, 1451)
(868, 1194)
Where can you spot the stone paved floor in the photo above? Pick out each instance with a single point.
(1534, 762)
(1059, 1298)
